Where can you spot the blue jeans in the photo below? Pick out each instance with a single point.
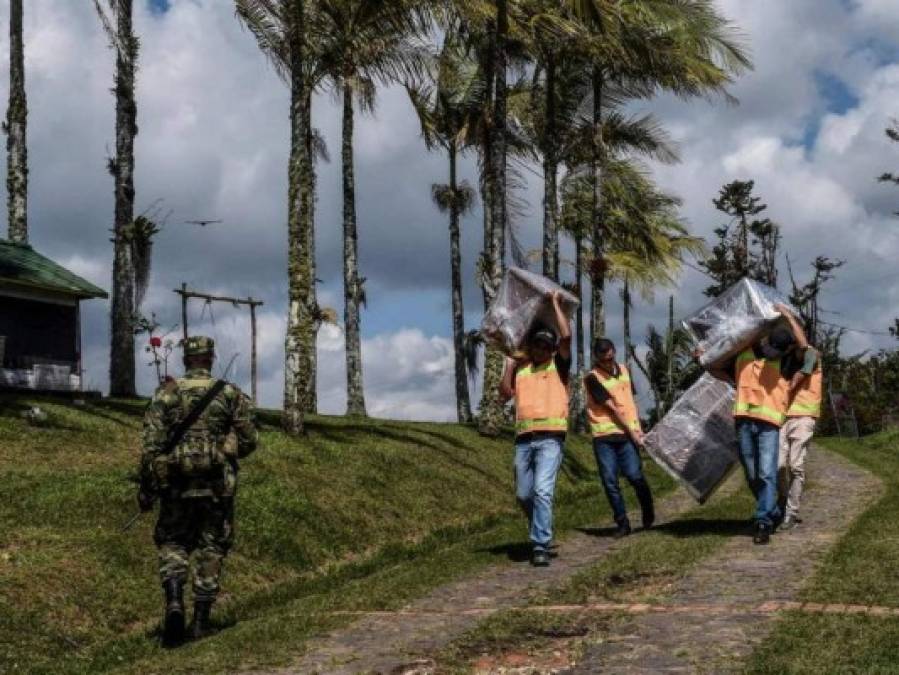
(537, 462)
(617, 457)
(759, 448)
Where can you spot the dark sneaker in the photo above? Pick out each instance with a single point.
(649, 517)
(623, 530)
(788, 524)
(540, 558)
(762, 534)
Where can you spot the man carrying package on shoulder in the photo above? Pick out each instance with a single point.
(803, 371)
(538, 381)
(760, 412)
(615, 426)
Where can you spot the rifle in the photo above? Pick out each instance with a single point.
(131, 521)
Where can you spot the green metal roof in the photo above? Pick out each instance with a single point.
(23, 266)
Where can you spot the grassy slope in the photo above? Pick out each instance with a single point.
(863, 569)
(357, 515)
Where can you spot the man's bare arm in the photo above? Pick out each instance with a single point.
(506, 388)
(562, 326)
(798, 333)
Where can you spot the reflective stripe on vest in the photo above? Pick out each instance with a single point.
(761, 391)
(600, 417)
(541, 399)
(807, 402)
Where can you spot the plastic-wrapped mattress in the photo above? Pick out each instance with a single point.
(733, 321)
(695, 442)
(520, 304)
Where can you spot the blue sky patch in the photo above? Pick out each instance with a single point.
(159, 6)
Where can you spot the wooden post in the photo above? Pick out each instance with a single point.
(184, 310)
(186, 294)
(253, 349)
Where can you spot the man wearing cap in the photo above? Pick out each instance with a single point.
(538, 381)
(760, 410)
(196, 428)
(615, 427)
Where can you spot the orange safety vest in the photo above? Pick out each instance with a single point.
(761, 389)
(541, 399)
(807, 402)
(600, 416)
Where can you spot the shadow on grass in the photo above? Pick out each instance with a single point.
(597, 531)
(701, 526)
(519, 551)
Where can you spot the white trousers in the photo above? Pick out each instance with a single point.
(795, 438)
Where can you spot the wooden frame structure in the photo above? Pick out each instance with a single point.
(186, 294)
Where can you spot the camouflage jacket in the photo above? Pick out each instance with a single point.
(227, 423)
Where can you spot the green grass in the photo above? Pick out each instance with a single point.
(358, 515)
(862, 569)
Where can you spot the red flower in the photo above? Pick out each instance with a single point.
(155, 341)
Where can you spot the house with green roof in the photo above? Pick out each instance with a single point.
(40, 321)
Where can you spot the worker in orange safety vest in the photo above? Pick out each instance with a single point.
(538, 381)
(615, 426)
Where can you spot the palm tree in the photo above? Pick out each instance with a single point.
(15, 128)
(117, 22)
(640, 47)
(363, 43)
(282, 32)
(443, 108)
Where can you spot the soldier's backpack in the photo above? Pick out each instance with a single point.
(200, 456)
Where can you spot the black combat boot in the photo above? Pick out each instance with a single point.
(200, 626)
(173, 624)
(623, 529)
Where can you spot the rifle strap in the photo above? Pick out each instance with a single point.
(192, 416)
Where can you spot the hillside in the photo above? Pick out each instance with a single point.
(356, 515)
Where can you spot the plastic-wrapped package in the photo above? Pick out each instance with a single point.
(696, 442)
(733, 321)
(521, 303)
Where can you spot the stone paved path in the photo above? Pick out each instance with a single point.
(696, 638)
(394, 642)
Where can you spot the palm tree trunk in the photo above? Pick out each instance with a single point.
(491, 410)
(669, 388)
(300, 277)
(626, 301)
(463, 400)
(121, 353)
(352, 290)
(550, 178)
(577, 409)
(597, 304)
(16, 122)
(312, 322)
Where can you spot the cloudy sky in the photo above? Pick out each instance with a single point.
(213, 144)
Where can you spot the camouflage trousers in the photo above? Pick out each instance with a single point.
(200, 525)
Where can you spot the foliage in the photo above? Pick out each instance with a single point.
(892, 132)
(747, 246)
(672, 350)
(354, 516)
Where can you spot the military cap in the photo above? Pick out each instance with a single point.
(199, 345)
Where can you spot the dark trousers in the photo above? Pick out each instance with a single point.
(618, 457)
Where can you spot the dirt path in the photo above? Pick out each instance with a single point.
(394, 642)
(692, 634)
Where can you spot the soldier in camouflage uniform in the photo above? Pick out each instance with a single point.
(195, 483)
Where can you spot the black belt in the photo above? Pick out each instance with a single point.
(538, 435)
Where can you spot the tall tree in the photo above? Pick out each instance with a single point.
(640, 47)
(892, 132)
(364, 43)
(282, 31)
(747, 245)
(491, 409)
(444, 108)
(117, 22)
(805, 297)
(15, 128)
